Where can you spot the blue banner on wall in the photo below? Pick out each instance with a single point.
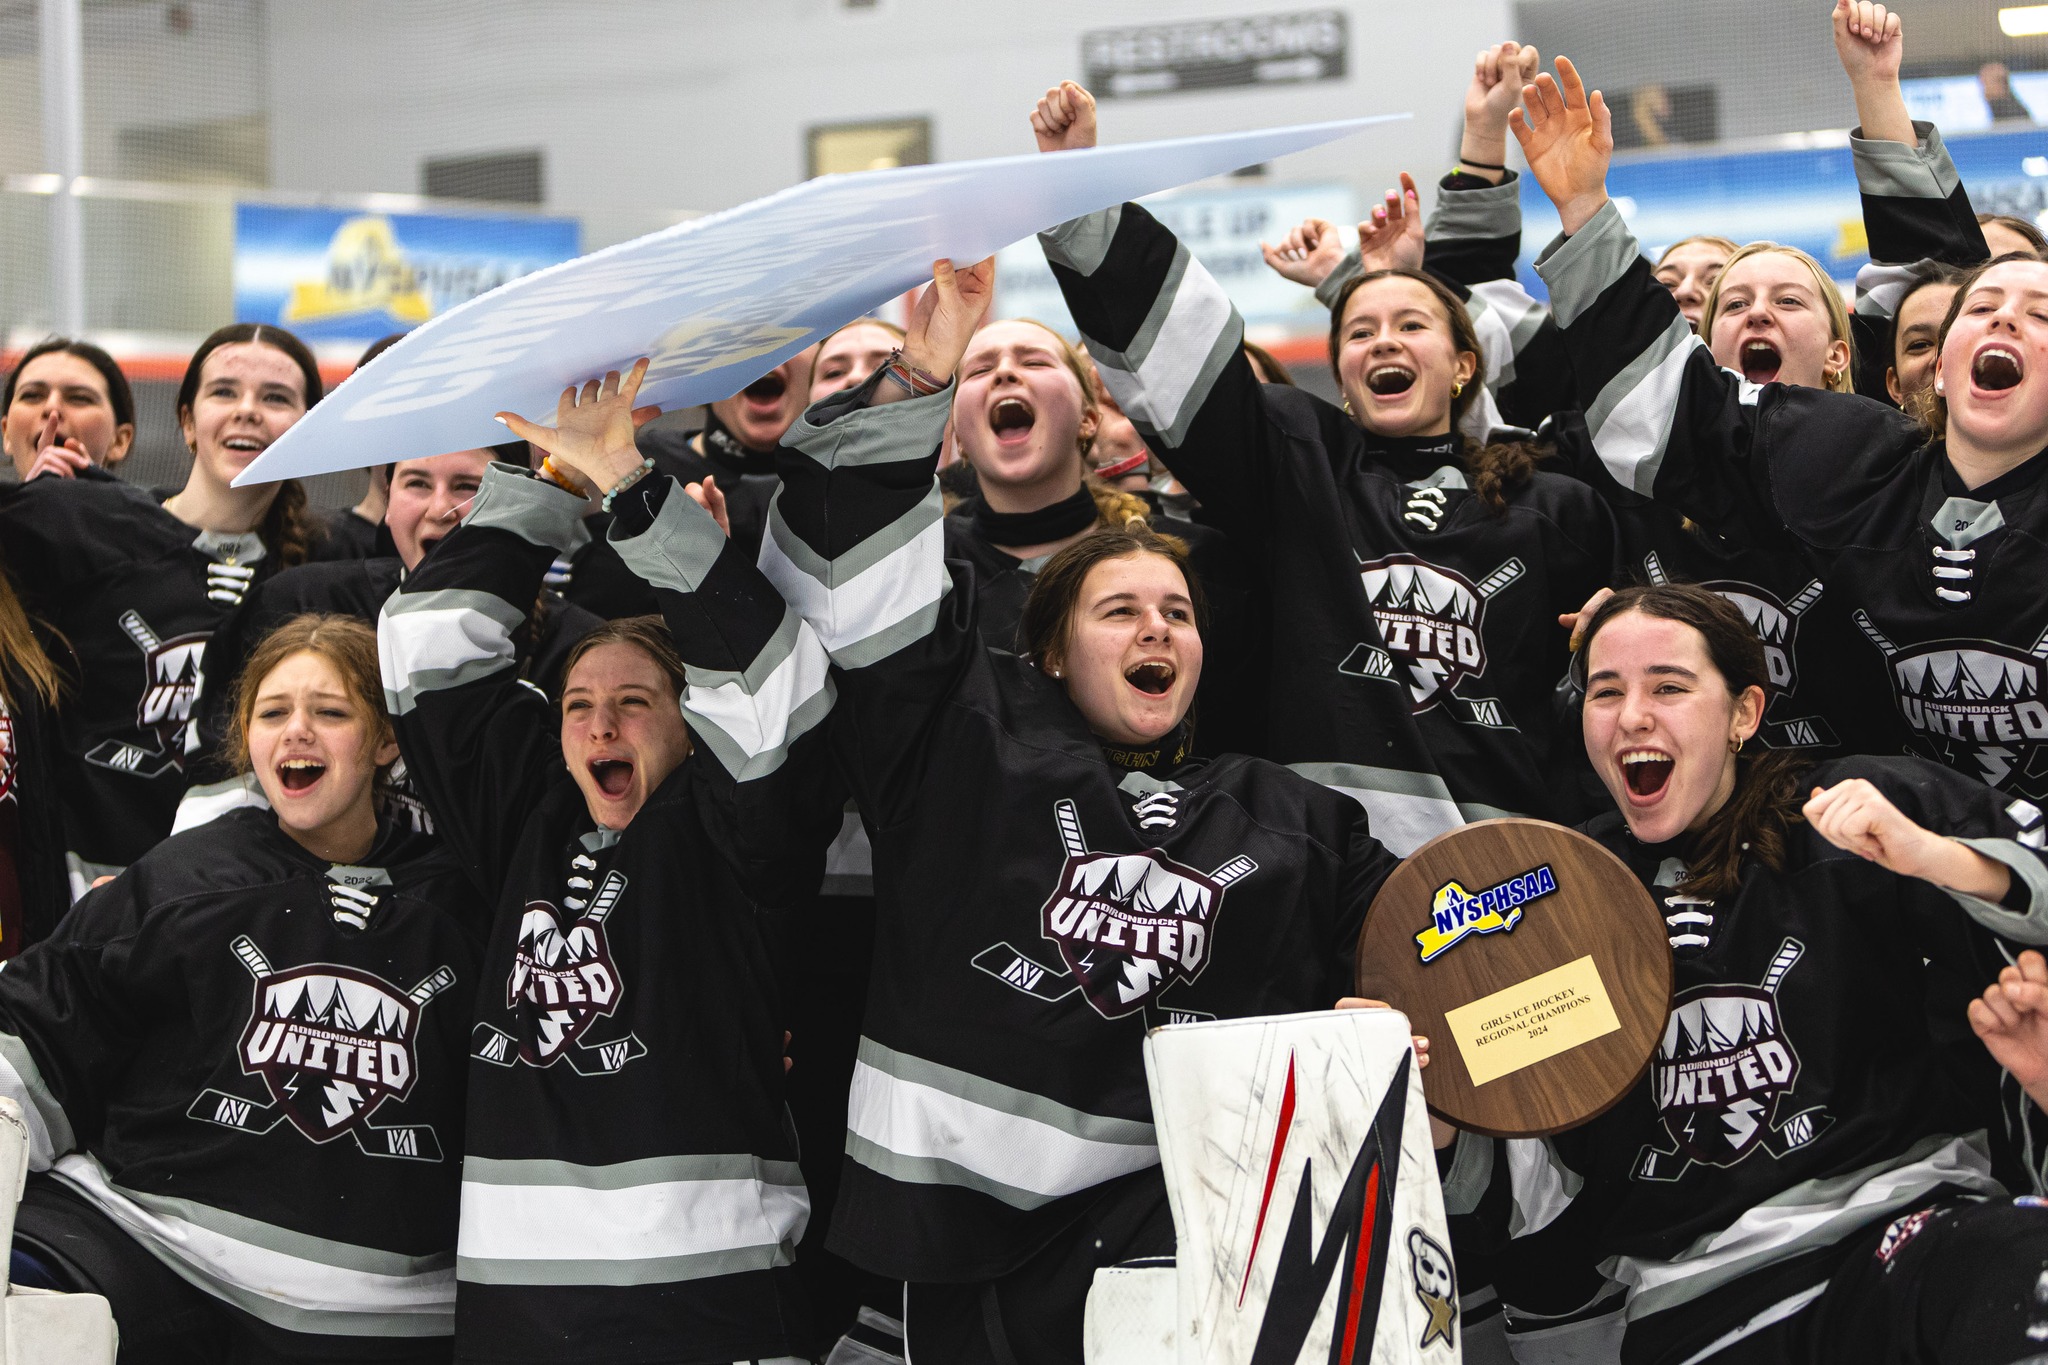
(332, 275)
(1804, 198)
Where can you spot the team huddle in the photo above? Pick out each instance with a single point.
(396, 905)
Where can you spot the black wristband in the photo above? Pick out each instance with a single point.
(1479, 165)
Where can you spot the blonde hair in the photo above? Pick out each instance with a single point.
(23, 653)
(347, 643)
(1699, 239)
(1842, 380)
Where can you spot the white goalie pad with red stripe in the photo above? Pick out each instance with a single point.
(1304, 1190)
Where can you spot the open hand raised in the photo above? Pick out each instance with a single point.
(1568, 140)
(593, 432)
(1064, 119)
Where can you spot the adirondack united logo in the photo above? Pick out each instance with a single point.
(1974, 702)
(1724, 1075)
(172, 677)
(1456, 913)
(563, 979)
(1775, 621)
(1431, 620)
(331, 1043)
(1128, 925)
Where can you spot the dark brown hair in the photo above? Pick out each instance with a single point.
(2035, 240)
(648, 634)
(1056, 589)
(1497, 468)
(1932, 409)
(120, 397)
(344, 641)
(288, 529)
(1271, 371)
(1760, 813)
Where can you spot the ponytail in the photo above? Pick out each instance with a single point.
(289, 529)
(1115, 509)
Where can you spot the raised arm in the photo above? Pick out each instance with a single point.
(1664, 419)
(856, 546)
(1165, 337)
(1916, 214)
(480, 746)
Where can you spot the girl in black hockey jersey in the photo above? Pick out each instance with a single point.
(1025, 418)
(1054, 873)
(630, 1191)
(427, 499)
(1409, 576)
(1928, 546)
(137, 585)
(70, 395)
(1795, 1180)
(242, 1060)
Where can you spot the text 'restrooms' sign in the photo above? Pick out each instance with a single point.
(719, 301)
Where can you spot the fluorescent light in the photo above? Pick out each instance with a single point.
(2035, 165)
(2023, 21)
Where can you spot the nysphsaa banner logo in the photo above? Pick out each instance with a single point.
(1128, 925)
(1456, 913)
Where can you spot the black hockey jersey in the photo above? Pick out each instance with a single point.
(252, 1061)
(630, 1186)
(1229, 715)
(33, 815)
(1916, 215)
(1796, 1095)
(137, 592)
(1038, 907)
(348, 587)
(1940, 583)
(746, 476)
(1415, 646)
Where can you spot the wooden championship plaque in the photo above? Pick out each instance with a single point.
(1534, 962)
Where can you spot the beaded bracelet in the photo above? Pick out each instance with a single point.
(646, 468)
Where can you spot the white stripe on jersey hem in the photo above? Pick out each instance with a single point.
(49, 1127)
(557, 1223)
(1813, 1213)
(915, 1132)
(322, 1287)
(1776, 1313)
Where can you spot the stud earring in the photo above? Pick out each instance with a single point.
(1939, 388)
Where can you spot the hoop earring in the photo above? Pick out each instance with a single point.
(1347, 407)
(1457, 388)
(1735, 745)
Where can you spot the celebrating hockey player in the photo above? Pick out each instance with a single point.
(243, 1060)
(630, 1188)
(137, 585)
(1930, 546)
(1054, 873)
(1789, 1182)
(1410, 571)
